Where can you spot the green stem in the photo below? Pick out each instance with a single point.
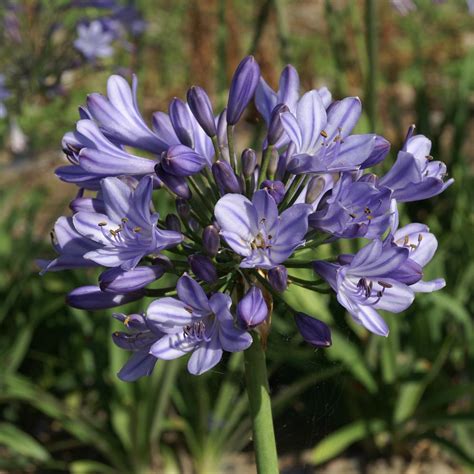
(260, 408)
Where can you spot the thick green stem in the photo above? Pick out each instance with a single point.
(260, 408)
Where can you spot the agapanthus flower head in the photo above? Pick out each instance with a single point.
(245, 220)
(94, 40)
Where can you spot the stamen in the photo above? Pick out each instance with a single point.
(324, 133)
(137, 229)
(124, 220)
(102, 224)
(385, 284)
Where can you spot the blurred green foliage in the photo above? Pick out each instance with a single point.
(61, 406)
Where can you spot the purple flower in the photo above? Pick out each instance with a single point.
(376, 277)
(421, 245)
(254, 229)
(71, 247)
(120, 119)
(415, 176)
(353, 209)
(278, 278)
(252, 308)
(93, 157)
(94, 41)
(139, 340)
(195, 323)
(242, 88)
(127, 231)
(322, 140)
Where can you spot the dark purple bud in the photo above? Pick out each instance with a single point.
(276, 189)
(211, 240)
(116, 280)
(380, 151)
(201, 107)
(181, 160)
(183, 209)
(133, 342)
(91, 297)
(249, 162)
(173, 223)
(252, 308)
(203, 268)
(194, 224)
(176, 184)
(225, 177)
(181, 121)
(242, 88)
(314, 190)
(313, 330)
(275, 128)
(278, 278)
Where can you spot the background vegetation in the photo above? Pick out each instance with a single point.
(401, 401)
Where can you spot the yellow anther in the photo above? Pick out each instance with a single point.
(126, 320)
(102, 224)
(137, 229)
(124, 220)
(324, 133)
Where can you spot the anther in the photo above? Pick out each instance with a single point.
(384, 284)
(324, 133)
(102, 224)
(137, 229)
(124, 220)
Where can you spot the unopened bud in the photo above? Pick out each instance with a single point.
(225, 177)
(183, 209)
(315, 188)
(275, 128)
(242, 88)
(249, 161)
(181, 120)
(278, 278)
(314, 331)
(211, 240)
(173, 223)
(201, 107)
(176, 184)
(252, 308)
(181, 160)
(203, 268)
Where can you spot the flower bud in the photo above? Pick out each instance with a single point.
(183, 209)
(203, 268)
(242, 88)
(211, 240)
(225, 177)
(313, 330)
(172, 222)
(92, 297)
(249, 161)
(276, 189)
(180, 160)
(275, 128)
(132, 342)
(176, 184)
(181, 121)
(194, 224)
(116, 280)
(315, 188)
(380, 151)
(132, 321)
(278, 278)
(252, 308)
(201, 107)
(273, 163)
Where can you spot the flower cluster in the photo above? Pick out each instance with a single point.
(243, 220)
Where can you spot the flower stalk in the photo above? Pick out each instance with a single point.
(260, 408)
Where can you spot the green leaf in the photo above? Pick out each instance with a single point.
(90, 467)
(22, 443)
(338, 441)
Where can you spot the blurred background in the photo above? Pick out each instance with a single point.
(367, 404)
